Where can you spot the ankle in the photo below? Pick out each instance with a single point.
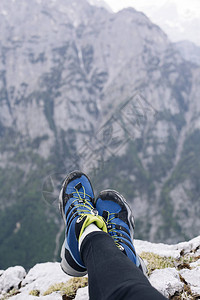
(89, 229)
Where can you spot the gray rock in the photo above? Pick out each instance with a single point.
(11, 278)
(167, 281)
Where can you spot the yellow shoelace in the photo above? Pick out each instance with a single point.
(84, 201)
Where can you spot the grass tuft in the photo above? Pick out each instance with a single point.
(69, 288)
(156, 261)
(11, 293)
(34, 293)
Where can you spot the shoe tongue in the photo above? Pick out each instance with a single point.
(80, 192)
(79, 189)
(78, 186)
(105, 215)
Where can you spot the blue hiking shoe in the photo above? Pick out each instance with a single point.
(120, 223)
(76, 206)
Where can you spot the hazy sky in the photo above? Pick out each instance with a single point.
(183, 6)
(180, 19)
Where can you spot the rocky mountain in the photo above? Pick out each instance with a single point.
(172, 269)
(189, 51)
(81, 87)
(100, 3)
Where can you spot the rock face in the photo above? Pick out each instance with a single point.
(11, 278)
(81, 87)
(181, 280)
(189, 51)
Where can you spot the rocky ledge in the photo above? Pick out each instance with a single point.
(173, 269)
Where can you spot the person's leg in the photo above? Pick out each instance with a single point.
(114, 208)
(112, 275)
(76, 207)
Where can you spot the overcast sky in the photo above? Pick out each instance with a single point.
(180, 19)
(184, 6)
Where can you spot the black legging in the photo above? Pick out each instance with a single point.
(112, 275)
